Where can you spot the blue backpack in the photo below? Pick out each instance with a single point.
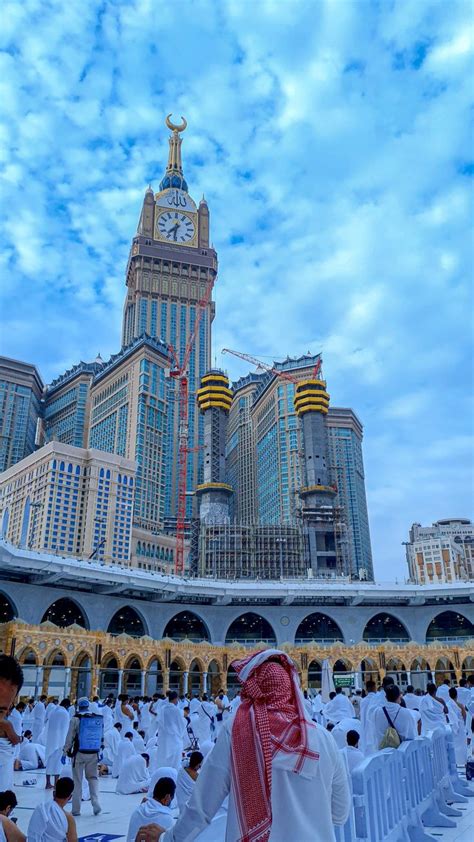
(89, 739)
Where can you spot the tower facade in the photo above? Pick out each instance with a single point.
(214, 400)
(318, 511)
(21, 389)
(170, 268)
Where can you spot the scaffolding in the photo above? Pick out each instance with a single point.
(238, 551)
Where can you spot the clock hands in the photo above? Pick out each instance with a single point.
(174, 230)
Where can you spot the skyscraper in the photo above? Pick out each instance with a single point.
(66, 405)
(21, 389)
(170, 267)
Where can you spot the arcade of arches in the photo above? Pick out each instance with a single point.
(69, 659)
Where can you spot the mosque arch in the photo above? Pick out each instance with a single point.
(27, 657)
(127, 621)
(449, 626)
(420, 673)
(81, 675)
(55, 672)
(342, 665)
(213, 677)
(318, 627)
(385, 627)
(29, 663)
(314, 674)
(250, 628)
(64, 612)
(154, 676)
(7, 609)
(176, 675)
(468, 666)
(195, 676)
(369, 670)
(396, 669)
(444, 669)
(186, 626)
(233, 683)
(132, 675)
(109, 675)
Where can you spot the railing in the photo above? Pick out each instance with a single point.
(399, 792)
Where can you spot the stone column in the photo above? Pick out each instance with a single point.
(166, 680)
(304, 679)
(185, 682)
(67, 681)
(204, 682)
(142, 682)
(95, 673)
(119, 682)
(357, 678)
(38, 681)
(408, 676)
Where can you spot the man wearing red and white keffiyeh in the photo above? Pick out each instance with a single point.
(283, 774)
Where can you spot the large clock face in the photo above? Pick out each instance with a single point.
(175, 226)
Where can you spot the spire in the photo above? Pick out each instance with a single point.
(174, 171)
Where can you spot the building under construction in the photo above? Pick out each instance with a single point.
(269, 505)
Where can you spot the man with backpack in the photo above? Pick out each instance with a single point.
(392, 722)
(83, 743)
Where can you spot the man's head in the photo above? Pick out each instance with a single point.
(195, 760)
(173, 697)
(146, 758)
(431, 689)
(392, 693)
(462, 682)
(95, 699)
(63, 790)
(118, 726)
(129, 735)
(43, 698)
(11, 682)
(370, 686)
(20, 707)
(164, 791)
(186, 711)
(453, 693)
(66, 703)
(27, 735)
(352, 738)
(8, 802)
(410, 689)
(388, 680)
(338, 691)
(135, 725)
(447, 682)
(83, 705)
(332, 695)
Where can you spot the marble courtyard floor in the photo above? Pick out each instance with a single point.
(116, 811)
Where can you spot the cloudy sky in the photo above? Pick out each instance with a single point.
(331, 141)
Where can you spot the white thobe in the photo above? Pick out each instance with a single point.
(458, 727)
(28, 716)
(145, 718)
(161, 772)
(171, 735)
(30, 755)
(49, 709)
(48, 823)
(432, 714)
(133, 776)
(235, 703)
(7, 751)
(125, 721)
(367, 704)
(402, 719)
(3, 838)
(303, 808)
(338, 708)
(15, 718)
(205, 726)
(125, 750)
(443, 692)
(340, 731)
(412, 702)
(58, 726)
(353, 756)
(149, 812)
(112, 741)
(107, 716)
(39, 713)
(317, 705)
(138, 742)
(184, 788)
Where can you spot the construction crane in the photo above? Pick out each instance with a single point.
(271, 369)
(180, 373)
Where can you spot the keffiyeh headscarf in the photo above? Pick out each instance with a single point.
(270, 721)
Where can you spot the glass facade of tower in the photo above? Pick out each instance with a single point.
(20, 409)
(347, 465)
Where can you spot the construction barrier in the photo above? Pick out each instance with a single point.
(399, 792)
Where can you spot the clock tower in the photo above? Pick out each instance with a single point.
(169, 269)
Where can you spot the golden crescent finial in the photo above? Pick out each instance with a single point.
(174, 127)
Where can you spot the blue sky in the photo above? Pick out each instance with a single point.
(331, 141)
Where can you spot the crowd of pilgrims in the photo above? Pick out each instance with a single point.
(158, 745)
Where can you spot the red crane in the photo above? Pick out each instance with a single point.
(180, 373)
(286, 375)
